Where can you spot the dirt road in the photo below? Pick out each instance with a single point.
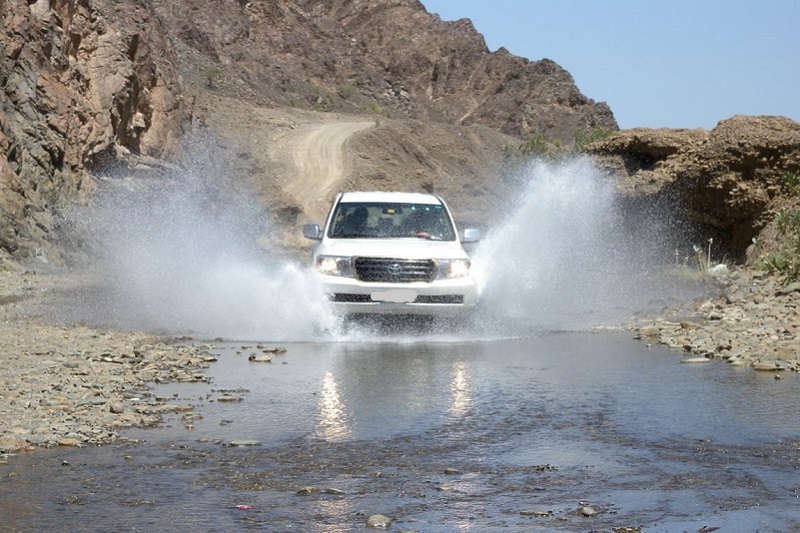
(317, 153)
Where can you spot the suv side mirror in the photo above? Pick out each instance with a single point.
(312, 231)
(471, 235)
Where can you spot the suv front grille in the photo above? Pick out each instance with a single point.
(394, 270)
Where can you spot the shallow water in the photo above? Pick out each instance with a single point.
(538, 424)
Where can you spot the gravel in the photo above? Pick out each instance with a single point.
(78, 385)
(753, 322)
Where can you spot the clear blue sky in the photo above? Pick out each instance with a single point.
(656, 63)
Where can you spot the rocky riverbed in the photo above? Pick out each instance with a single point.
(74, 384)
(753, 322)
(77, 384)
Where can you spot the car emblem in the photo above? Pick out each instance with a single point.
(394, 269)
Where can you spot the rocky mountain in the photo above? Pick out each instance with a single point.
(390, 57)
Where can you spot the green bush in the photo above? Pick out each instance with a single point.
(346, 91)
(212, 73)
(791, 181)
(787, 260)
(538, 146)
(586, 137)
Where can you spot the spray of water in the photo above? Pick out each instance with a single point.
(182, 257)
(565, 257)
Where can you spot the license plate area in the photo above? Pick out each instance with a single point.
(398, 296)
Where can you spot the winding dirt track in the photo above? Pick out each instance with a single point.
(317, 154)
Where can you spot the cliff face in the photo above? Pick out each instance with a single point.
(83, 83)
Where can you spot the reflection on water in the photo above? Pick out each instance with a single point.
(333, 423)
(460, 389)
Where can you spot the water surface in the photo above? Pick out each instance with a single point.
(441, 436)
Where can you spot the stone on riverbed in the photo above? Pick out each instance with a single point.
(245, 442)
(766, 366)
(229, 398)
(276, 349)
(534, 512)
(588, 511)
(379, 521)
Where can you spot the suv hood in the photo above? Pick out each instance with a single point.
(396, 248)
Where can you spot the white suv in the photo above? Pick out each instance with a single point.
(393, 253)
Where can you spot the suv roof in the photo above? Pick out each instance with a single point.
(390, 197)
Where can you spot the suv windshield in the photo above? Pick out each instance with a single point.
(390, 221)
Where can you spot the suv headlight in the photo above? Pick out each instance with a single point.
(453, 268)
(334, 265)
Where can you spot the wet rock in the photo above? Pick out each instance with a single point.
(40, 440)
(766, 366)
(379, 521)
(754, 325)
(229, 398)
(276, 349)
(245, 443)
(588, 511)
(308, 490)
(260, 359)
(696, 360)
(12, 445)
(537, 513)
(650, 331)
(452, 471)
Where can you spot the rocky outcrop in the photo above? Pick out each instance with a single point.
(85, 82)
(728, 182)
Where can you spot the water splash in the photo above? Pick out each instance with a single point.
(182, 257)
(565, 258)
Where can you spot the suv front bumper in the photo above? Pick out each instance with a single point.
(441, 297)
